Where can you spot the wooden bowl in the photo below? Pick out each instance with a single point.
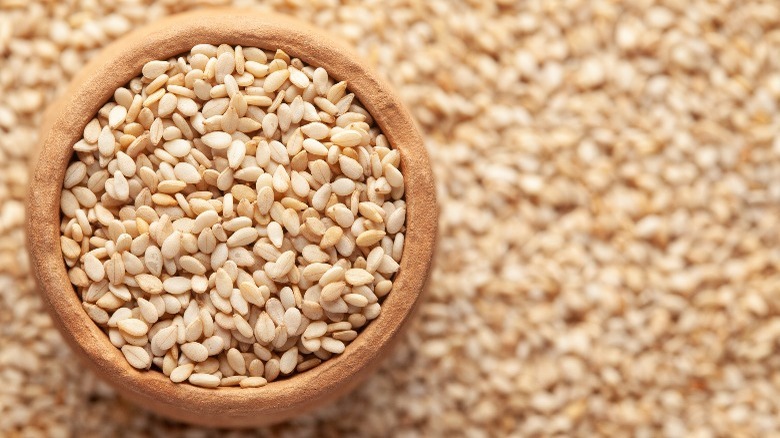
(226, 407)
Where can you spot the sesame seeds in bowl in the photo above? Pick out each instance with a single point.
(232, 216)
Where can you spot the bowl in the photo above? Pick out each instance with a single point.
(64, 124)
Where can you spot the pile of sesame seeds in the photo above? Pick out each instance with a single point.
(608, 251)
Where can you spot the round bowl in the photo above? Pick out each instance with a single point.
(226, 407)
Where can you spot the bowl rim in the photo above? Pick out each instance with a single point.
(94, 85)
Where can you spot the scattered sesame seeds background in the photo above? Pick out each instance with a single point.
(609, 179)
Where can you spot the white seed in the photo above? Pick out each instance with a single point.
(217, 140)
(236, 361)
(93, 268)
(315, 147)
(165, 339)
(178, 148)
(316, 130)
(167, 104)
(288, 361)
(275, 234)
(192, 265)
(92, 131)
(395, 221)
(275, 80)
(356, 300)
(244, 236)
(125, 164)
(186, 106)
(332, 291)
(236, 153)
(224, 283)
(214, 345)
(281, 180)
(153, 69)
(226, 64)
(117, 116)
(74, 174)
(121, 187)
(350, 167)
(204, 380)
(182, 372)
(369, 237)
(241, 324)
(292, 319)
(347, 138)
(187, 172)
(270, 123)
(343, 186)
(332, 345)
(177, 285)
(149, 283)
(137, 357)
(195, 351)
(298, 78)
(205, 220)
(253, 382)
(315, 330)
(171, 245)
(264, 328)
(320, 79)
(358, 277)
(156, 131)
(133, 327)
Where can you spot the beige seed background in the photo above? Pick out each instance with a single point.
(609, 179)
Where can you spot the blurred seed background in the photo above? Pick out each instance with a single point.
(609, 182)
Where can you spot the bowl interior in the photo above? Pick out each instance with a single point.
(94, 85)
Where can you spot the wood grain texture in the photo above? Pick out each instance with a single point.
(94, 85)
